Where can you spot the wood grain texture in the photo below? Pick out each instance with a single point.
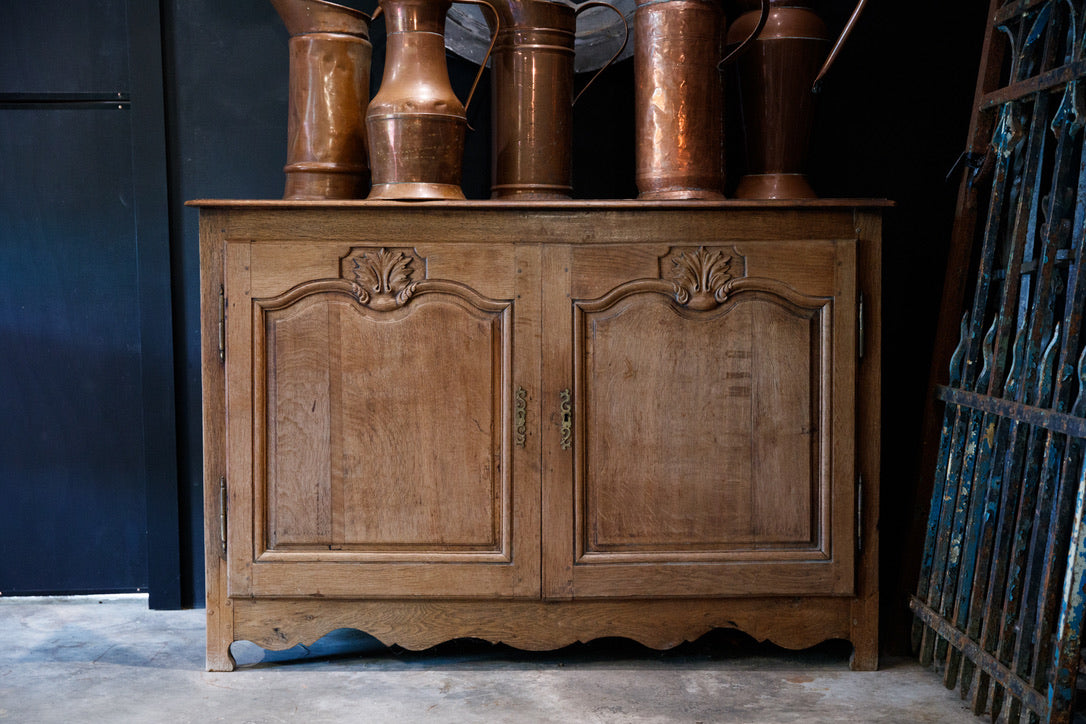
(540, 626)
(377, 479)
(864, 632)
(219, 612)
(299, 421)
(371, 448)
(380, 430)
(717, 408)
(557, 376)
(243, 448)
(714, 419)
(588, 223)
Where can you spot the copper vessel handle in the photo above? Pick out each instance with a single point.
(625, 39)
(816, 86)
(493, 39)
(750, 38)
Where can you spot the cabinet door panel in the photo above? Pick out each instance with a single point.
(363, 422)
(672, 461)
(381, 444)
(714, 422)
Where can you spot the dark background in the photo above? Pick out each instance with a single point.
(113, 113)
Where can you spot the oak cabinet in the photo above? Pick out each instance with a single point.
(540, 423)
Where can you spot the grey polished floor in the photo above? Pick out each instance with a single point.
(110, 659)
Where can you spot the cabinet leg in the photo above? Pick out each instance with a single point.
(865, 633)
(864, 637)
(865, 656)
(220, 619)
(221, 660)
(219, 638)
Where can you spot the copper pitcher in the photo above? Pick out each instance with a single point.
(678, 97)
(777, 82)
(329, 79)
(415, 123)
(532, 102)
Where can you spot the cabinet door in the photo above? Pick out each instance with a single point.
(711, 409)
(371, 426)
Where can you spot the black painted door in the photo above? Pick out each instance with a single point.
(87, 456)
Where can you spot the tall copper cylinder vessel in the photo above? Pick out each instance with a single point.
(415, 123)
(679, 123)
(532, 101)
(329, 77)
(777, 83)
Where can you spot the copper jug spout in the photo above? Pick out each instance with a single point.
(329, 76)
(817, 84)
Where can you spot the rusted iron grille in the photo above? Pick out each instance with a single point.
(1000, 600)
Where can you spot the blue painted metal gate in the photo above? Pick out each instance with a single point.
(1000, 601)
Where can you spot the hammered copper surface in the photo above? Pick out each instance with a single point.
(329, 80)
(679, 97)
(532, 101)
(415, 123)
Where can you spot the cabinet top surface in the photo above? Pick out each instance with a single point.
(570, 205)
(564, 222)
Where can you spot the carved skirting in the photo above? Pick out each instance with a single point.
(543, 625)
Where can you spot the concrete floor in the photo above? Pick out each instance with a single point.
(110, 659)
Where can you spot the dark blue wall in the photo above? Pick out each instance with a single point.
(226, 114)
(86, 387)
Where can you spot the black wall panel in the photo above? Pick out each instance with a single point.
(71, 453)
(226, 100)
(87, 455)
(63, 47)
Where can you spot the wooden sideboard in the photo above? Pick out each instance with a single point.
(541, 423)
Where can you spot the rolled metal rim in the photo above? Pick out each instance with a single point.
(599, 33)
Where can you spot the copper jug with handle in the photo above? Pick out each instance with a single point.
(532, 96)
(778, 80)
(415, 124)
(679, 97)
(329, 77)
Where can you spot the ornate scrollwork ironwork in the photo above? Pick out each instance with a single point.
(520, 414)
(565, 410)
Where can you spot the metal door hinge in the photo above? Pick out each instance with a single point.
(222, 516)
(860, 514)
(860, 340)
(222, 325)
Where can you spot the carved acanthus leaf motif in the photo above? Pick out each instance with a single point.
(381, 279)
(701, 277)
